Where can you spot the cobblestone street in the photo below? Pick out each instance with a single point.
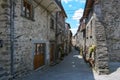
(59, 40)
(73, 67)
(113, 75)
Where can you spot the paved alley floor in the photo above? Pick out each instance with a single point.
(73, 67)
(113, 75)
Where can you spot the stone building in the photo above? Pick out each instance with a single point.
(68, 38)
(80, 39)
(100, 25)
(26, 35)
(74, 41)
(60, 29)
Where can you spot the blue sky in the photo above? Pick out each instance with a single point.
(74, 10)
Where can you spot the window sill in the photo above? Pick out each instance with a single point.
(32, 19)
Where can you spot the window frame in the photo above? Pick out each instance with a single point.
(27, 5)
(52, 23)
(91, 29)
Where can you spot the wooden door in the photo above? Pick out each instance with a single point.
(52, 46)
(39, 56)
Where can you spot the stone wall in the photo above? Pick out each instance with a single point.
(107, 34)
(81, 42)
(111, 21)
(69, 41)
(73, 41)
(5, 37)
(90, 32)
(60, 27)
(52, 31)
(102, 58)
(95, 34)
(27, 32)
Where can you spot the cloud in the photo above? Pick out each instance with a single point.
(70, 6)
(66, 1)
(76, 0)
(78, 14)
(82, 1)
(77, 24)
(74, 30)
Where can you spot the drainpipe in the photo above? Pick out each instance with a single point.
(85, 46)
(47, 25)
(56, 39)
(12, 10)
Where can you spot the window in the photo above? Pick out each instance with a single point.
(27, 9)
(51, 23)
(87, 32)
(91, 29)
(39, 48)
(84, 33)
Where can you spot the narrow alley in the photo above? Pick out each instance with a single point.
(37, 40)
(72, 67)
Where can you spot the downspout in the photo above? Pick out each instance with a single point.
(84, 51)
(85, 46)
(12, 10)
(56, 38)
(47, 25)
(47, 45)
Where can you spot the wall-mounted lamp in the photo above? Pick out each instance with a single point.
(1, 43)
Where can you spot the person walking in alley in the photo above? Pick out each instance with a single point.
(61, 53)
(92, 49)
(91, 52)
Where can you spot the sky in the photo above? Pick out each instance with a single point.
(74, 10)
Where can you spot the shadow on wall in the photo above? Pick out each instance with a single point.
(114, 66)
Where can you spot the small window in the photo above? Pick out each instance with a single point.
(51, 23)
(84, 33)
(91, 30)
(39, 48)
(87, 32)
(27, 9)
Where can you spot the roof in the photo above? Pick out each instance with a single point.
(60, 4)
(68, 25)
(88, 7)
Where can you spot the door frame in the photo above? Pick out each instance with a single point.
(52, 42)
(46, 57)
